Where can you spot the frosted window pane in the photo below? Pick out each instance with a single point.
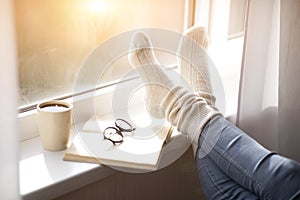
(55, 36)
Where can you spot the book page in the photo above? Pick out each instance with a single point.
(140, 149)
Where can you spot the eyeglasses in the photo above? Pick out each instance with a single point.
(114, 134)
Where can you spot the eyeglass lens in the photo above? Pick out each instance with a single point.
(124, 125)
(112, 134)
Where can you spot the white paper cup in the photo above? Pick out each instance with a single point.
(54, 119)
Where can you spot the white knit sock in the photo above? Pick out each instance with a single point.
(184, 109)
(142, 58)
(194, 62)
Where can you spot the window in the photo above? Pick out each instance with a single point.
(225, 23)
(55, 36)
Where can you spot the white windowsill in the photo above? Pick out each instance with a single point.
(43, 174)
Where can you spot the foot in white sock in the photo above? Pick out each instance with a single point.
(182, 108)
(194, 62)
(142, 58)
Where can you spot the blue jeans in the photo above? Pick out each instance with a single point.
(231, 165)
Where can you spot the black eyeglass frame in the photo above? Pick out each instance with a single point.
(118, 130)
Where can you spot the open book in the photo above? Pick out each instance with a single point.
(140, 150)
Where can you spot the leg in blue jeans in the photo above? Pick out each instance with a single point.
(239, 164)
(241, 159)
(217, 185)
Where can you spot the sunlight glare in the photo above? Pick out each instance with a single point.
(97, 6)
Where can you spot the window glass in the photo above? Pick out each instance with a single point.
(55, 36)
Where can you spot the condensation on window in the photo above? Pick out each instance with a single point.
(54, 37)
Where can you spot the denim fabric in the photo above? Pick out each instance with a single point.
(231, 165)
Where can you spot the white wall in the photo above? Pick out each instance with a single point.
(9, 186)
(259, 80)
(289, 71)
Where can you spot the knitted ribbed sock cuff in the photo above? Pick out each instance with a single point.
(187, 111)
